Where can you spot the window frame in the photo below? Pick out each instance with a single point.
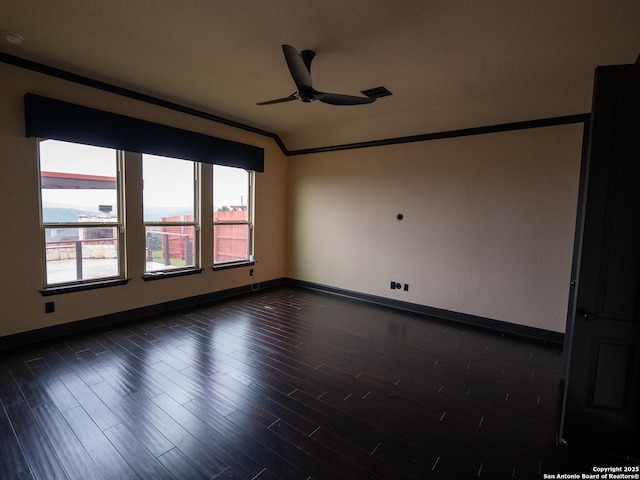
(196, 224)
(249, 260)
(119, 227)
(123, 256)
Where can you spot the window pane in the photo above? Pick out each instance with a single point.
(231, 203)
(168, 189)
(79, 189)
(77, 181)
(170, 247)
(230, 243)
(230, 194)
(83, 253)
(169, 186)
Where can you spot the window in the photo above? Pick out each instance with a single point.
(232, 215)
(82, 194)
(81, 212)
(170, 213)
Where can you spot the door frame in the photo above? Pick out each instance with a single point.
(577, 249)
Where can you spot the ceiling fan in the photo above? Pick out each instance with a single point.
(300, 68)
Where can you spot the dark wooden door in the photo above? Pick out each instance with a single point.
(602, 397)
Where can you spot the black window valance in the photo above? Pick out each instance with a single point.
(58, 120)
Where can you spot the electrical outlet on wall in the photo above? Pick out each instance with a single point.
(399, 286)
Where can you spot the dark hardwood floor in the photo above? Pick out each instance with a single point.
(284, 384)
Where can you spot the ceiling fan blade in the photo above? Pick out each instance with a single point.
(279, 100)
(299, 64)
(298, 69)
(339, 99)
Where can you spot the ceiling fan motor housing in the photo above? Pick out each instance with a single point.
(307, 95)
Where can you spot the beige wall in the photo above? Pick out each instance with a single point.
(488, 222)
(21, 275)
(488, 226)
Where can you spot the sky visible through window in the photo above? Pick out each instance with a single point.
(167, 187)
(230, 187)
(55, 156)
(63, 157)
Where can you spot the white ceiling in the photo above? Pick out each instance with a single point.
(450, 64)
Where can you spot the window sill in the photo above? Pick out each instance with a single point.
(227, 266)
(147, 277)
(80, 287)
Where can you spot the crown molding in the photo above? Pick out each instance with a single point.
(125, 92)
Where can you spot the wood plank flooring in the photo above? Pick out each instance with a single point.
(284, 384)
